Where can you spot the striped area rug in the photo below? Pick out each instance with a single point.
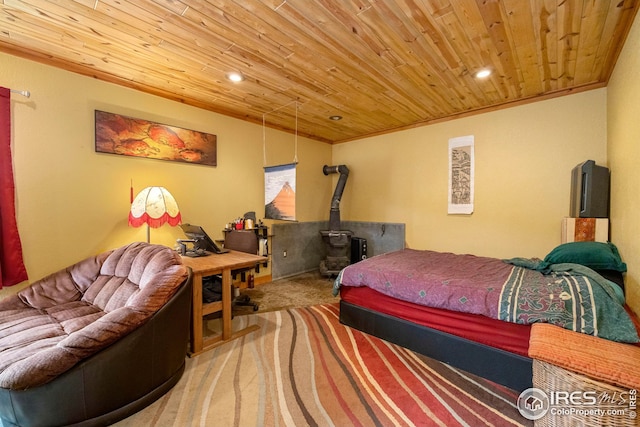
(303, 368)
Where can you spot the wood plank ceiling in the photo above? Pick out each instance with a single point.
(382, 65)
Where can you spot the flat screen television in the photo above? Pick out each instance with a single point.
(202, 239)
(589, 191)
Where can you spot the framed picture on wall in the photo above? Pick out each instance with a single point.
(128, 136)
(461, 175)
(280, 192)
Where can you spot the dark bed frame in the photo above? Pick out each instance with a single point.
(509, 369)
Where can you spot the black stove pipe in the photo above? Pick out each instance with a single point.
(334, 214)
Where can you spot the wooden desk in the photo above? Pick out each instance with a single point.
(209, 266)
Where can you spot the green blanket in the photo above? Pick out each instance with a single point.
(569, 295)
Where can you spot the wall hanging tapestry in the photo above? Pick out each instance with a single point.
(461, 175)
(280, 192)
(118, 134)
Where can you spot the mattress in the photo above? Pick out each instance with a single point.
(511, 337)
(520, 291)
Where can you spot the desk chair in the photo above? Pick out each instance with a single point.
(242, 241)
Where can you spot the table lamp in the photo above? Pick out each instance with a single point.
(154, 206)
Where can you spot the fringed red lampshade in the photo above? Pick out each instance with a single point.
(154, 206)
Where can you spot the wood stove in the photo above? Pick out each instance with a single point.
(336, 240)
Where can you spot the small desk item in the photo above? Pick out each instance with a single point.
(208, 266)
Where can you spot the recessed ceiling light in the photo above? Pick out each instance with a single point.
(483, 73)
(235, 77)
(335, 118)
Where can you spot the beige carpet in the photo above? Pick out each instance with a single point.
(297, 291)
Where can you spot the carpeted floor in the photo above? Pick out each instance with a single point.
(297, 291)
(303, 368)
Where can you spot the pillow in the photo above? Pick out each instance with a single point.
(595, 255)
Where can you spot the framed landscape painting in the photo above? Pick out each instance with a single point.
(127, 136)
(280, 192)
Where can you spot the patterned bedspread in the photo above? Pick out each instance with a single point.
(496, 289)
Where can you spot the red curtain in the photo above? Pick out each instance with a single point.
(12, 270)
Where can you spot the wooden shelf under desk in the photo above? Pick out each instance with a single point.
(211, 307)
(208, 266)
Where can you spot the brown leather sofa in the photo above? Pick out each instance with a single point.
(96, 342)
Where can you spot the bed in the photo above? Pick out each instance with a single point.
(475, 313)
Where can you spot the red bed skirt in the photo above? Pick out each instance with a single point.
(511, 337)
